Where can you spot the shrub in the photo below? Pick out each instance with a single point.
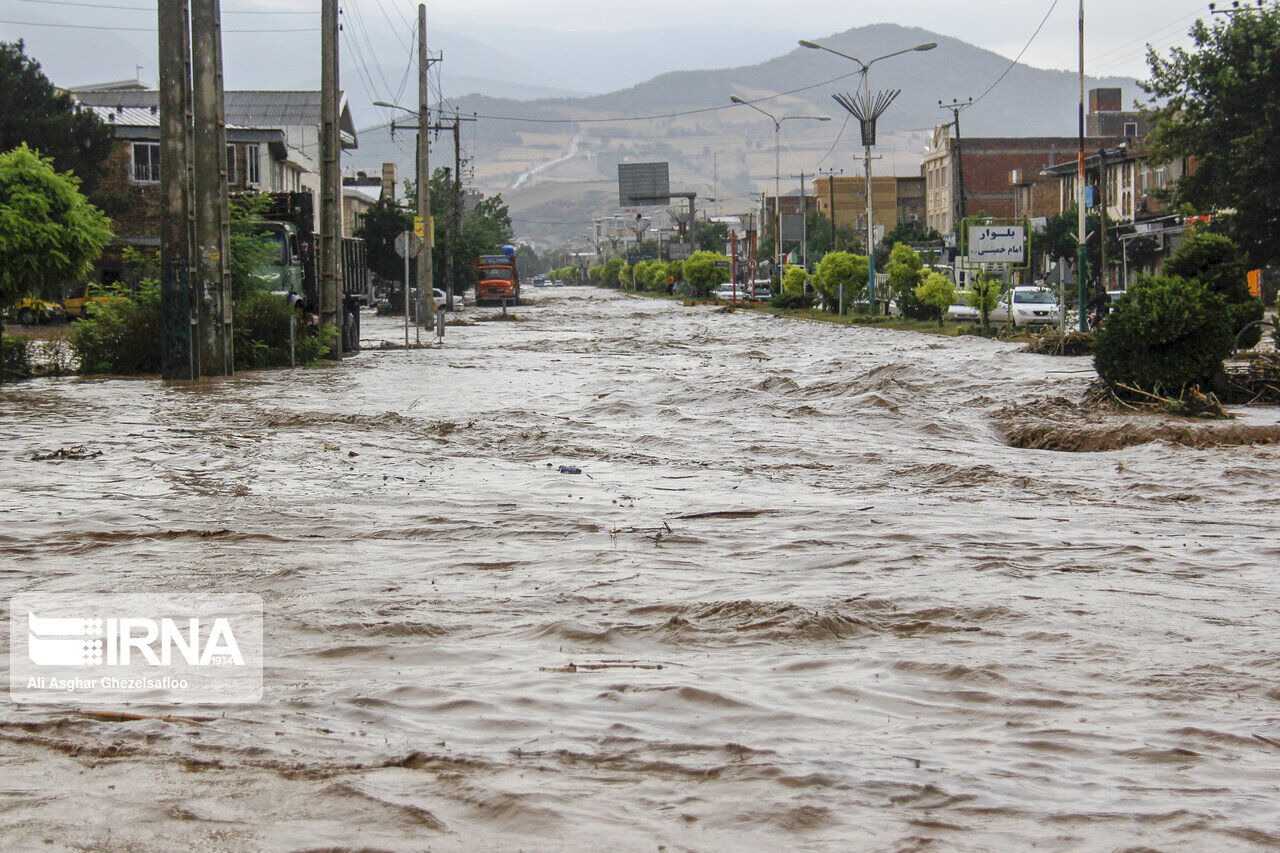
(1164, 335)
(1217, 263)
(123, 335)
(905, 270)
(938, 292)
(794, 280)
(792, 301)
(15, 359)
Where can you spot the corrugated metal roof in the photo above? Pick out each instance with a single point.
(263, 108)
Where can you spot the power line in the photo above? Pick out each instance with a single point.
(152, 9)
(1018, 58)
(147, 29)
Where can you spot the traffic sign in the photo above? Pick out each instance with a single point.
(419, 229)
(408, 244)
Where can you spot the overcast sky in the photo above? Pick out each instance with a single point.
(1116, 31)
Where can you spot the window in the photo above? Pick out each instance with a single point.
(1130, 128)
(146, 162)
(251, 174)
(231, 164)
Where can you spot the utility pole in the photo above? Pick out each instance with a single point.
(1082, 260)
(455, 203)
(331, 311)
(804, 225)
(831, 199)
(179, 354)
(1102, 219)
(426, 273)
(210, 191)
(955, 107)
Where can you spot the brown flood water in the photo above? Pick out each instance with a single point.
(908, 635)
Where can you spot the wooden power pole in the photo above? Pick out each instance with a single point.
(212, 228)
(330, 179)
(179, 354)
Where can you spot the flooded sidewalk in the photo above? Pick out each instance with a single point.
(803, 595)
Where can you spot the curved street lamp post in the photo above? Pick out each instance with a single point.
(777, 175)
(868, 113)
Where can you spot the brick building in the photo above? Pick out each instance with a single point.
(1002, 175)
(894, 200)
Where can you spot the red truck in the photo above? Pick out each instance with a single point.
(497, 279)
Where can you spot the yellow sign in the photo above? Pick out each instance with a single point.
(417, 226)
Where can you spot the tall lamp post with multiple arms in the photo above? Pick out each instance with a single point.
(868, 112)
(777, 174)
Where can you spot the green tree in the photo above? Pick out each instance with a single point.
(984, 294)
(916, 233)
(49, 121)
(379, 228)
(49, 233)
(1217, 263)
(1219, 103)
(710, 236)
(703, 274)
(938, 292)
(484, 230)
(842, 269)
(905, 269)
(794, 280)
(1164, 335)
(609, 275)
(819, 237)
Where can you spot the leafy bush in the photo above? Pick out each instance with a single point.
(792, 301)
(938, 292)
(905, 270)
(1219, 264)
(794, 280)
(15, 359)
(123, 335)
(1164, 335)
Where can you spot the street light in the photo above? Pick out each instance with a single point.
(868, 122)
(777, 174)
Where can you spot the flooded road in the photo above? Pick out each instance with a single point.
(802, 597)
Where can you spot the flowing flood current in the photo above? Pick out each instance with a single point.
(803, 596)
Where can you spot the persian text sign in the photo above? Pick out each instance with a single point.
(135, 648)
(997, 244)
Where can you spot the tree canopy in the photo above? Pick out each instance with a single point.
(50, 122)
(49, 233)
(702, 273)
(1219, 103)
(379, 227)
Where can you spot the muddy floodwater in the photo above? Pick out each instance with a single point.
(803, 596)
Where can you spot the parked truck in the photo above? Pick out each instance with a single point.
(497, 278)
(287, 224)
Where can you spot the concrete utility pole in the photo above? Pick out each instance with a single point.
(210, 191)
(330, 178)
(179, 354)
(426, 274)
(1082, 260)
(804, 224)
(955, 107)
(831, 199)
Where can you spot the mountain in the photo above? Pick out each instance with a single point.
(548, 147)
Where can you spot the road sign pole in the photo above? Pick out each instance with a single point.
(407, 243)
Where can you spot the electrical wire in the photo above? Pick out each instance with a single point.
(148, 29)
(152, 9)
(1018, 58)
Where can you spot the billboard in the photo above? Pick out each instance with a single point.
(997, 244)
(643, 184)
(792, 227)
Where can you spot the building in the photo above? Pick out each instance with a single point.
(1001, 174)
(272, 146)
(290, 161)
(1121, 180)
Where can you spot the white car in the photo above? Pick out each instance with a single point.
(1032, 306)
(961, 311)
